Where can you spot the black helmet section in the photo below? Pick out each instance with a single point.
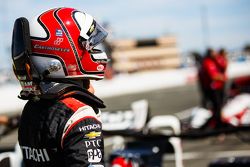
(21, 46)
(21, 50)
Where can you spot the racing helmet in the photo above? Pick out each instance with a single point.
(61, 46)
(57, 46)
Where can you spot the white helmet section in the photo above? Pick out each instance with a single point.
(99, 56)
(36, 30)
(85, 21)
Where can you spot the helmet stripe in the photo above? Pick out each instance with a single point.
(69, 39)
(72, 43)
(44, 27)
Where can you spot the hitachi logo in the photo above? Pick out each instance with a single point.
(89, 127)
(38, 155)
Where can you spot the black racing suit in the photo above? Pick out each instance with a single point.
(62, 131)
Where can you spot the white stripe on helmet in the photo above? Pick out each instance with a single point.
(85, 21)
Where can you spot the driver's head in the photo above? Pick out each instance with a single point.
(57, 46)
(63, 41)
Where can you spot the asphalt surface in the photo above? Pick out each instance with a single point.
(164, 101)
(196, 152)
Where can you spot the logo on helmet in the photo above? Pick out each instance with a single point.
(58, 41)
(92, 28)
(37, 46)
(59, 33)
(72, 67)
(54, 66)
(100, 67)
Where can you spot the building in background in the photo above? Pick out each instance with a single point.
(130, 55)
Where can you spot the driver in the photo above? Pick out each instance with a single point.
(54, 60)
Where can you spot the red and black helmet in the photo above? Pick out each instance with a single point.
(62, 45)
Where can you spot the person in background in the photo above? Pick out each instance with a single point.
(214, 80)
(198, 58)
(54, 59)
(222, 63)
(222, 60)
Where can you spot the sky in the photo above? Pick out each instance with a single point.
(195, 23)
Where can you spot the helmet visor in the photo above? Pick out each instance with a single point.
(96, 35)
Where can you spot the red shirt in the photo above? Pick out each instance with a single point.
(210, 69)
(221, 61)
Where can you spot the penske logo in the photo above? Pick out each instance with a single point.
(92, 135)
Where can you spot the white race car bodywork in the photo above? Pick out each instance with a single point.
(237, 111)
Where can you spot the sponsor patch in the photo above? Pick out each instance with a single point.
(38, 155)
(59, 33)
(51, 48)
(94, 155)
(100, 67)
(93, 143)
(90, 127)
(58, 41)
(92, 28)
(93, 135)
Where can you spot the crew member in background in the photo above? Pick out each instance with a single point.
(214, 79)
(198, 63)
(222, 64)
(222, 60)
(54, 59)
